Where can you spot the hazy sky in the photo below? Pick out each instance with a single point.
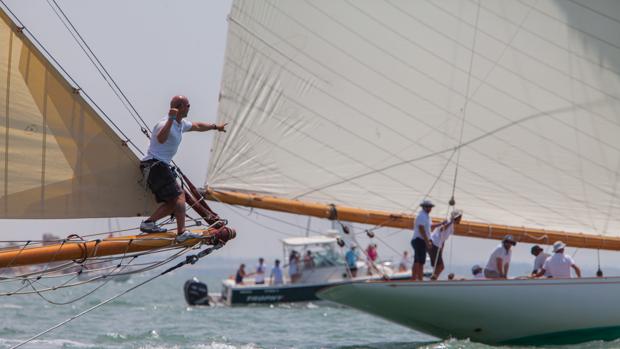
(156, 49)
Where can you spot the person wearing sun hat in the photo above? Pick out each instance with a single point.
(558, 265)
(438, 239)
(421, 241)
(499, 261)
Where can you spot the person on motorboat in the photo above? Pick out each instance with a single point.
(438, 239)
(261, 268)
(276, 277)
(499, 261)
(559, 265)
(309, 260)
(421, 242)
(404, 262)
(540, 259)
(294, 270)
(240, 274)
(351, 258)
(371, 256)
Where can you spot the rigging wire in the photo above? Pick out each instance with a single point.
(79, 39)
(464, 109)
(89, 101)
(188, 260)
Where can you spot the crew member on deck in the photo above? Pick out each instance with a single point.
(476, 271)
(438, 239)
(421, 241)
(540, 259)
(499, 262)
(155, 166)
(558, 265)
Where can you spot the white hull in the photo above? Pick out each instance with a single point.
(508, 311)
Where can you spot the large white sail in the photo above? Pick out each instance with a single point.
(361, 103)
(58, 158)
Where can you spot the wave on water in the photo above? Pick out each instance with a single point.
(213, 345)
(46, 343)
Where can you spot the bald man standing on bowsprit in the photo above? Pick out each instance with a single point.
(158, 174)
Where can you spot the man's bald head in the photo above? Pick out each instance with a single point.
(181, 103)
(178, 101)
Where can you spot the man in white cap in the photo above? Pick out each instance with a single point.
(499, 262)
(421, 242)
(438, 239)
(558, 265)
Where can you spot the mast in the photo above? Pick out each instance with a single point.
(405, 221)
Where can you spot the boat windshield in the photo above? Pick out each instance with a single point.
(327, 258)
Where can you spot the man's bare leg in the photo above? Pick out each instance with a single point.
(418, 270)
(179, 213)
(162, 211)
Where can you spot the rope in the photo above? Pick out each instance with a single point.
(79, 39)
(192, 259)
(77, 88)
(471, 64)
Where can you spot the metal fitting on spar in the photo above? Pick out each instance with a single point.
(221, 236)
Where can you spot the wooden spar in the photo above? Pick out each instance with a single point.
(405, 221)
(81, 250)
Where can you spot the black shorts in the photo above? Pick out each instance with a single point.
(419, 250)
(435, 254)
(161, 180)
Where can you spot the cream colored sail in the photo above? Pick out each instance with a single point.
(360, 103)
(58, 158)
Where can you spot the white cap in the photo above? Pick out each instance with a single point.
(456, 213)
(558, 245)
(427, 203)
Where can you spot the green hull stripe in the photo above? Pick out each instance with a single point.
(569, 337)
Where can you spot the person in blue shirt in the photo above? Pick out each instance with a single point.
(276, 274)
(351, 258)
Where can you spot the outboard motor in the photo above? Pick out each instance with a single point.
(196, 292)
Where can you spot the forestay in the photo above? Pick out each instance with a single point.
(361, 103)
(58, 158)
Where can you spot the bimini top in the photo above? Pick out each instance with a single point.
(309, 240)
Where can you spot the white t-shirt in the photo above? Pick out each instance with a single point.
(276, 273)
(558, 265)
(441, 234)
(499, 252)
(165, 151)
(421, 219)
(260, 273)
(539, 261)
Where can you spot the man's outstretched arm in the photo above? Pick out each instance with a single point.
(203, 126)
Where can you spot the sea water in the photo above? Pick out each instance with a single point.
(156, 316)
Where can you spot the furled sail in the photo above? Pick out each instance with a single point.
(58, 158)
(378, 104)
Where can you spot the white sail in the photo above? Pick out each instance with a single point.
(361, 103)
(58, 158)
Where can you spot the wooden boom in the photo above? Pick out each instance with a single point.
(82, 250)
(405, 221)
